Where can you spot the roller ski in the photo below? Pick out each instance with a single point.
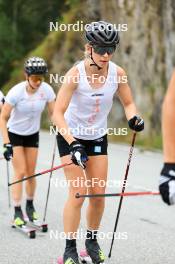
(20, 224)
(32, 219)
(92, 253)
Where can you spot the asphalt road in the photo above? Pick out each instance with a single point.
(146, 231)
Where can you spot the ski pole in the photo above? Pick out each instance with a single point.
(116, 194)
(48, 191)
(41, 173)
(8, 179)
(123, 190)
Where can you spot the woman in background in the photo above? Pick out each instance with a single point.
(20, 125)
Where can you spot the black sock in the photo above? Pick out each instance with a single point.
(70, 243)
(29, 203)
(169, 166)
(91, 235)
(17, 209)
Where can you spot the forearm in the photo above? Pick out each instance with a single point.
(50, 109)
(4, 131)
(63, 128)
(130, 111)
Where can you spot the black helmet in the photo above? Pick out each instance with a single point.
(35, 65)
(102, 33)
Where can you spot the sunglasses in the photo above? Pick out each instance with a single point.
(102, 50)
(36, 78)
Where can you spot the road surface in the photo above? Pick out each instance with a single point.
(146, 231)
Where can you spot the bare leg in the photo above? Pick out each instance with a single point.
(168, 124)
(72, 209)
(19, 166)
(31, 159)
(97, 169)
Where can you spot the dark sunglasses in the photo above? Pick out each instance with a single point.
(36, 78)
(102, 50)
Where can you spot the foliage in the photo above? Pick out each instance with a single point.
(23, 25)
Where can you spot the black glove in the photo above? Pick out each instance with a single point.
(136, 123)
(167, 184)
(78, 154)
(8, 152)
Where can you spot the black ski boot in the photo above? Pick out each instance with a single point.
(18, 217)
(94, 251)
(30, 211)
(70, 255)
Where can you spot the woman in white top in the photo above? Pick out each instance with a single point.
(167, 177)
(20, 125)
(80, 114)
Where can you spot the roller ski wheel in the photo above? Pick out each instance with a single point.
(44, 228)
(32, 234)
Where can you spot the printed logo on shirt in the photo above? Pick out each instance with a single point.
(95, 111)
(98, 94)
(99, 139)
(22, 99)
(41, 95)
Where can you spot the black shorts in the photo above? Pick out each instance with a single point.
(31, 141)
(92, 147)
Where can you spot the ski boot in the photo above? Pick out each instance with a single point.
(94, 251)
(30, 211)
(18, 217)
(71, 256)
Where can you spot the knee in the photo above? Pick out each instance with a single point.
(29, 172)
(97, 202)
(20, 174)
(76, 202)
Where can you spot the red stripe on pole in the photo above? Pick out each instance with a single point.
(40, 173)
